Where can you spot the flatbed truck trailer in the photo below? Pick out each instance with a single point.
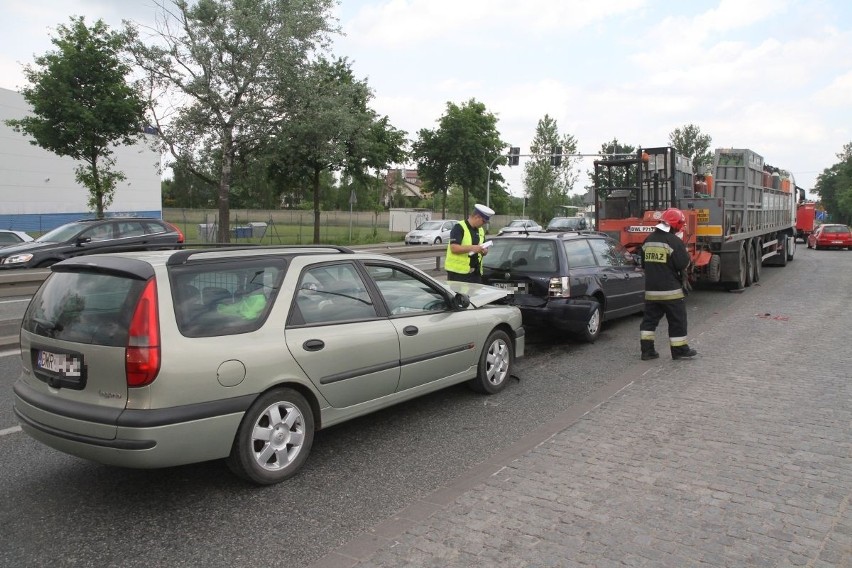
(739, 218)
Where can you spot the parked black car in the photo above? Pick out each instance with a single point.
(90, 236)
(571, 282)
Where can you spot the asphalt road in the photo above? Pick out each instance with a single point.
(62, 511)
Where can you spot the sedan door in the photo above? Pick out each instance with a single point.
(435, 341)
(622, 280)
(334, 332)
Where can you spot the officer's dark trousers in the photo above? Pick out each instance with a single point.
(675, 312)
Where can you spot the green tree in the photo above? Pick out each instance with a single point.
(433, 164)
(834, 186)
(83, 106)
(548, 180)
(332, 128)
(460, 151)
(689, 141)
(216, 70)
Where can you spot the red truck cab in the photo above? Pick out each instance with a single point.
(805, 220)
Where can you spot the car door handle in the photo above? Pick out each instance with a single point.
(313, 345)
(410, 330)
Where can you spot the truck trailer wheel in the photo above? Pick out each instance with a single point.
(758, 259)
(740, 283)
(783, 245)
(750, 262)
(714, 268)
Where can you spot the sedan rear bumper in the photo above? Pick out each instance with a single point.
(568, 314)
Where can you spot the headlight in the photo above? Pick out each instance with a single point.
(18, 258)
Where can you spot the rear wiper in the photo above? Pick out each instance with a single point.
(49, 325)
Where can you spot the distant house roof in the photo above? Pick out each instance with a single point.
(404, 181)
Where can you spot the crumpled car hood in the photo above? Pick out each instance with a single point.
(479, 294)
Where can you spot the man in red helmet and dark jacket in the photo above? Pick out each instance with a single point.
(664, 258)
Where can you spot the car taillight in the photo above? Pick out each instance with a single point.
(142, 355)
(181, 237)
(558, 287)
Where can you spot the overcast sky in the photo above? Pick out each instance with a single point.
(774, 76)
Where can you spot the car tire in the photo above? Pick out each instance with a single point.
(495, 364)
(437, 241)
(274, 438)
(593, 325)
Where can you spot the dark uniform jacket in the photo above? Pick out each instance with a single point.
(664, 258)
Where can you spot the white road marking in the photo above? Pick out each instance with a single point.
(12, 430)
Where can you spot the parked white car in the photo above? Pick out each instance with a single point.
(431, 232)
(9, 237)
(520, 226)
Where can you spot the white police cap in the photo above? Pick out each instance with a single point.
(483, 211)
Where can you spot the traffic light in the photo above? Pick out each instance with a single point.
(556, 156)
(514, 156)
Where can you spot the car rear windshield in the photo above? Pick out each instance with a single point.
(225, 298)
(522, 255)
(84, 307)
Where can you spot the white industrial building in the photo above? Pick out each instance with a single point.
(37, 188)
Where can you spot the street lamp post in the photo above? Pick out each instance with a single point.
(488, 183)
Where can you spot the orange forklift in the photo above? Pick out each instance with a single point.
(632, 192)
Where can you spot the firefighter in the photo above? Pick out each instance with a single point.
(665, 259)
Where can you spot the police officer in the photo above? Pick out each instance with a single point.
(665, 258)
(465, 250)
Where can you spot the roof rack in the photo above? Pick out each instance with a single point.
(183, 256)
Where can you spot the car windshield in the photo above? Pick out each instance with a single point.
(518, 223)
(430, 226)
(62, 234)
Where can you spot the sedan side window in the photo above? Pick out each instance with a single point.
(404, 293)
(99, 232)
(610, 253)
(332, 293)
(130, 229)
(579, 254)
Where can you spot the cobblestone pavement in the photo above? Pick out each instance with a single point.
(741, 457)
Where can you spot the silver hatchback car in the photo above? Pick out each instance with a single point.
(156, 359)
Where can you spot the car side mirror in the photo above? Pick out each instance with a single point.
(83, 240)
(461, 302)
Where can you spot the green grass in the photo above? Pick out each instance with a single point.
(287, 228)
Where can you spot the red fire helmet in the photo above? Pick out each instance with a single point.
(675, 218)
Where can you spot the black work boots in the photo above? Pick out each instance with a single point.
(679, 352)
(648, 351)
(683, 352)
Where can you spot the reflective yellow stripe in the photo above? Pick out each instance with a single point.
(709, 231)
(647, 335)
(660, 295)
(678, 341)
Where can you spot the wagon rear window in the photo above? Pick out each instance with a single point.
(84, 307)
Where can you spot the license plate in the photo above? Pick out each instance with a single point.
(62, 364)
(517, 287)
(837, 242)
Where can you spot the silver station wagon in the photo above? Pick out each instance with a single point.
(157, 359)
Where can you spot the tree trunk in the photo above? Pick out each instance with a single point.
(317, 205)
(224, 234)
